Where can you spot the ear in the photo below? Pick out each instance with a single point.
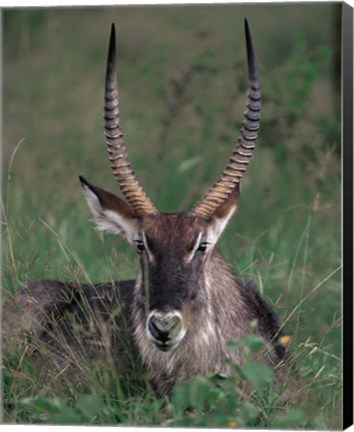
(111, 214)
(222, 215)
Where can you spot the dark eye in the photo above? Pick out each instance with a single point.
(202, 247)
(140, 245)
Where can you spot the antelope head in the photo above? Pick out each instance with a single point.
(174, 248)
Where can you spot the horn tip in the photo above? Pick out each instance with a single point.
(248, 35)
(246, 24)
(113, 29)
(112, 43)
(251, 55)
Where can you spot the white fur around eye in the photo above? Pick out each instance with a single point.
(148, 250)
(191, 254)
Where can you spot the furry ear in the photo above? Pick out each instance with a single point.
(222, 215)
(111, 214)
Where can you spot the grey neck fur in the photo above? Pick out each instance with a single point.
(203, 349)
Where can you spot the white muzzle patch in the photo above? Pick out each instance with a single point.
(165, 329)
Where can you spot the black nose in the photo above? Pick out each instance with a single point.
(158, 333)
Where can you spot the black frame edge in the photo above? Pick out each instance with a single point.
(347, 206)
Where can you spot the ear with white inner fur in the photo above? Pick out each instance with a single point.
(222, 216)
(111, 214)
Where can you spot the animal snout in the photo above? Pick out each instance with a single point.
(165, 329)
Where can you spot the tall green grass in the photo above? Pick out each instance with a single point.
(182, 77)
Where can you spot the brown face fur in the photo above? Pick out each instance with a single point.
(176, 250)
(175, 233)
(173, 248)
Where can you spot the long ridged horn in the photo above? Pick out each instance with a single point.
(117, 152)
(243, 150)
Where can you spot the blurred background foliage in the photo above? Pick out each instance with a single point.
(182, 78)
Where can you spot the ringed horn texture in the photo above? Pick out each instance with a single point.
(232, 174)
(235, 168)
(117, 152)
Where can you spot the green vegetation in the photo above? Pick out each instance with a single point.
(182, 77)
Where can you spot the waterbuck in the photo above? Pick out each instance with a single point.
(185, 304)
